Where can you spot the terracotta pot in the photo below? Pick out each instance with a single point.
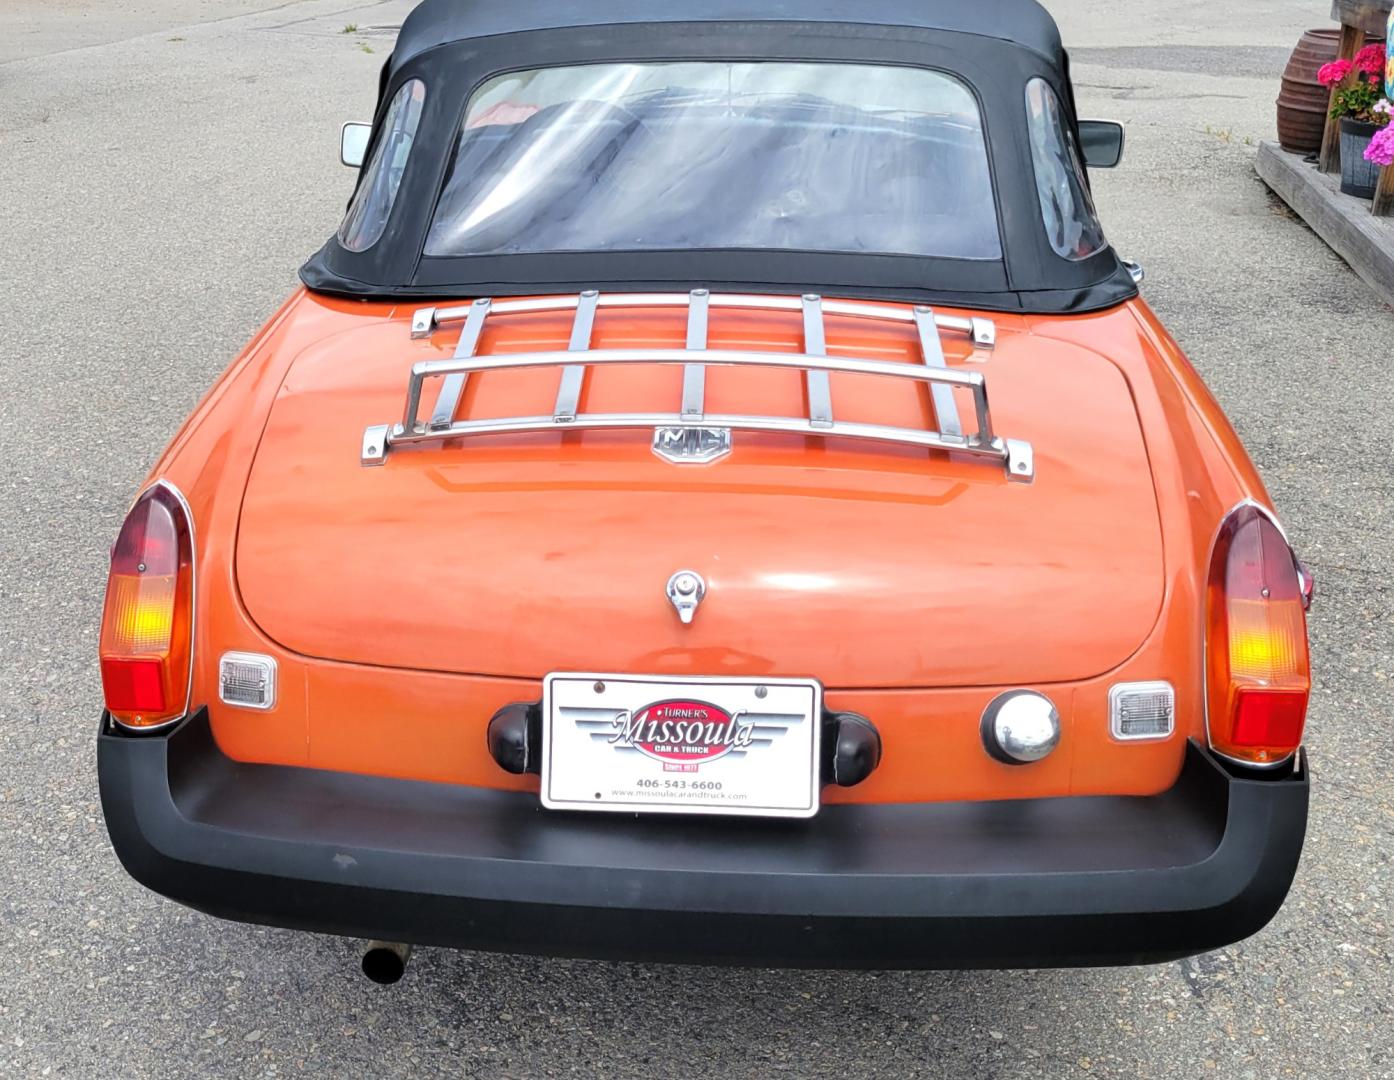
(1302, 102)
(1358, 176)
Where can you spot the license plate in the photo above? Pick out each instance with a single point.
(681, 746)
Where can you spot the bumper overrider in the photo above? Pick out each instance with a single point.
(1026, 883)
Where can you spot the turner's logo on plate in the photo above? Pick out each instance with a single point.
(682, 733)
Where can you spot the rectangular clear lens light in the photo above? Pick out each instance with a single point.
(247, 680)
(1141, 710)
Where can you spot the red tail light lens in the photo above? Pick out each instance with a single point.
(147, 624)
(1259, 673)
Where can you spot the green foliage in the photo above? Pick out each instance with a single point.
(1357, 100)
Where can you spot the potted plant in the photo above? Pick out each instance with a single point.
(1356, 100)
(1380, 152)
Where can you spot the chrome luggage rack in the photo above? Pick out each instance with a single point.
(692, 434)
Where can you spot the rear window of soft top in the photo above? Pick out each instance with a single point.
(715, 155)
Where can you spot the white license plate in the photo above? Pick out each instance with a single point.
(681, 746)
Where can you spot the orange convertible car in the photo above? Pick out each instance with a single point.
(718, 497)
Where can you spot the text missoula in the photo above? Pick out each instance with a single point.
(681, 735)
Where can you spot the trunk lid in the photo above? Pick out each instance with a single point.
(861, 565)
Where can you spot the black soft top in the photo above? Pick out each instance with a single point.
(439, 22)
(995, 46)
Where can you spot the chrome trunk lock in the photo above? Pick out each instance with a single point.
(685, 591)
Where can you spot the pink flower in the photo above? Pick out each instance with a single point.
(1334, 72)
(1370, 59)
(1382, 106)
(1381, 148)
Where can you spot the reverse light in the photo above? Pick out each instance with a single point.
(147, 623)
(1258, 676)
(1141, 710)
(247, 680)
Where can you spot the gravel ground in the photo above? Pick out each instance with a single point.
(162, 173)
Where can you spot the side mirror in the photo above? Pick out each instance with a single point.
(353, 144)
(1101, 141)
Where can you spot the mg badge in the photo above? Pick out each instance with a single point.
(691, 445)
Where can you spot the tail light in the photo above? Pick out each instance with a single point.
(1258, 673)
(147, 624)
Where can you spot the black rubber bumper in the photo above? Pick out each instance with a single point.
(1029, 883)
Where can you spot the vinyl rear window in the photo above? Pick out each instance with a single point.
(822, 157)
(1071, 223)
(372, 203)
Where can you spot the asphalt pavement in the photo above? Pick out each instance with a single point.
(166, 165)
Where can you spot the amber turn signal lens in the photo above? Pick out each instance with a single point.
(1259, 671)
(147, 624)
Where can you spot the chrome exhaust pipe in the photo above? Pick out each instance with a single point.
(385, 961)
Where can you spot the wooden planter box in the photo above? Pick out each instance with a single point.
(1358, 18)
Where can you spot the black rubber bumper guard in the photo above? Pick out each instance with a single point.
(851, 744)
(1026, 883)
